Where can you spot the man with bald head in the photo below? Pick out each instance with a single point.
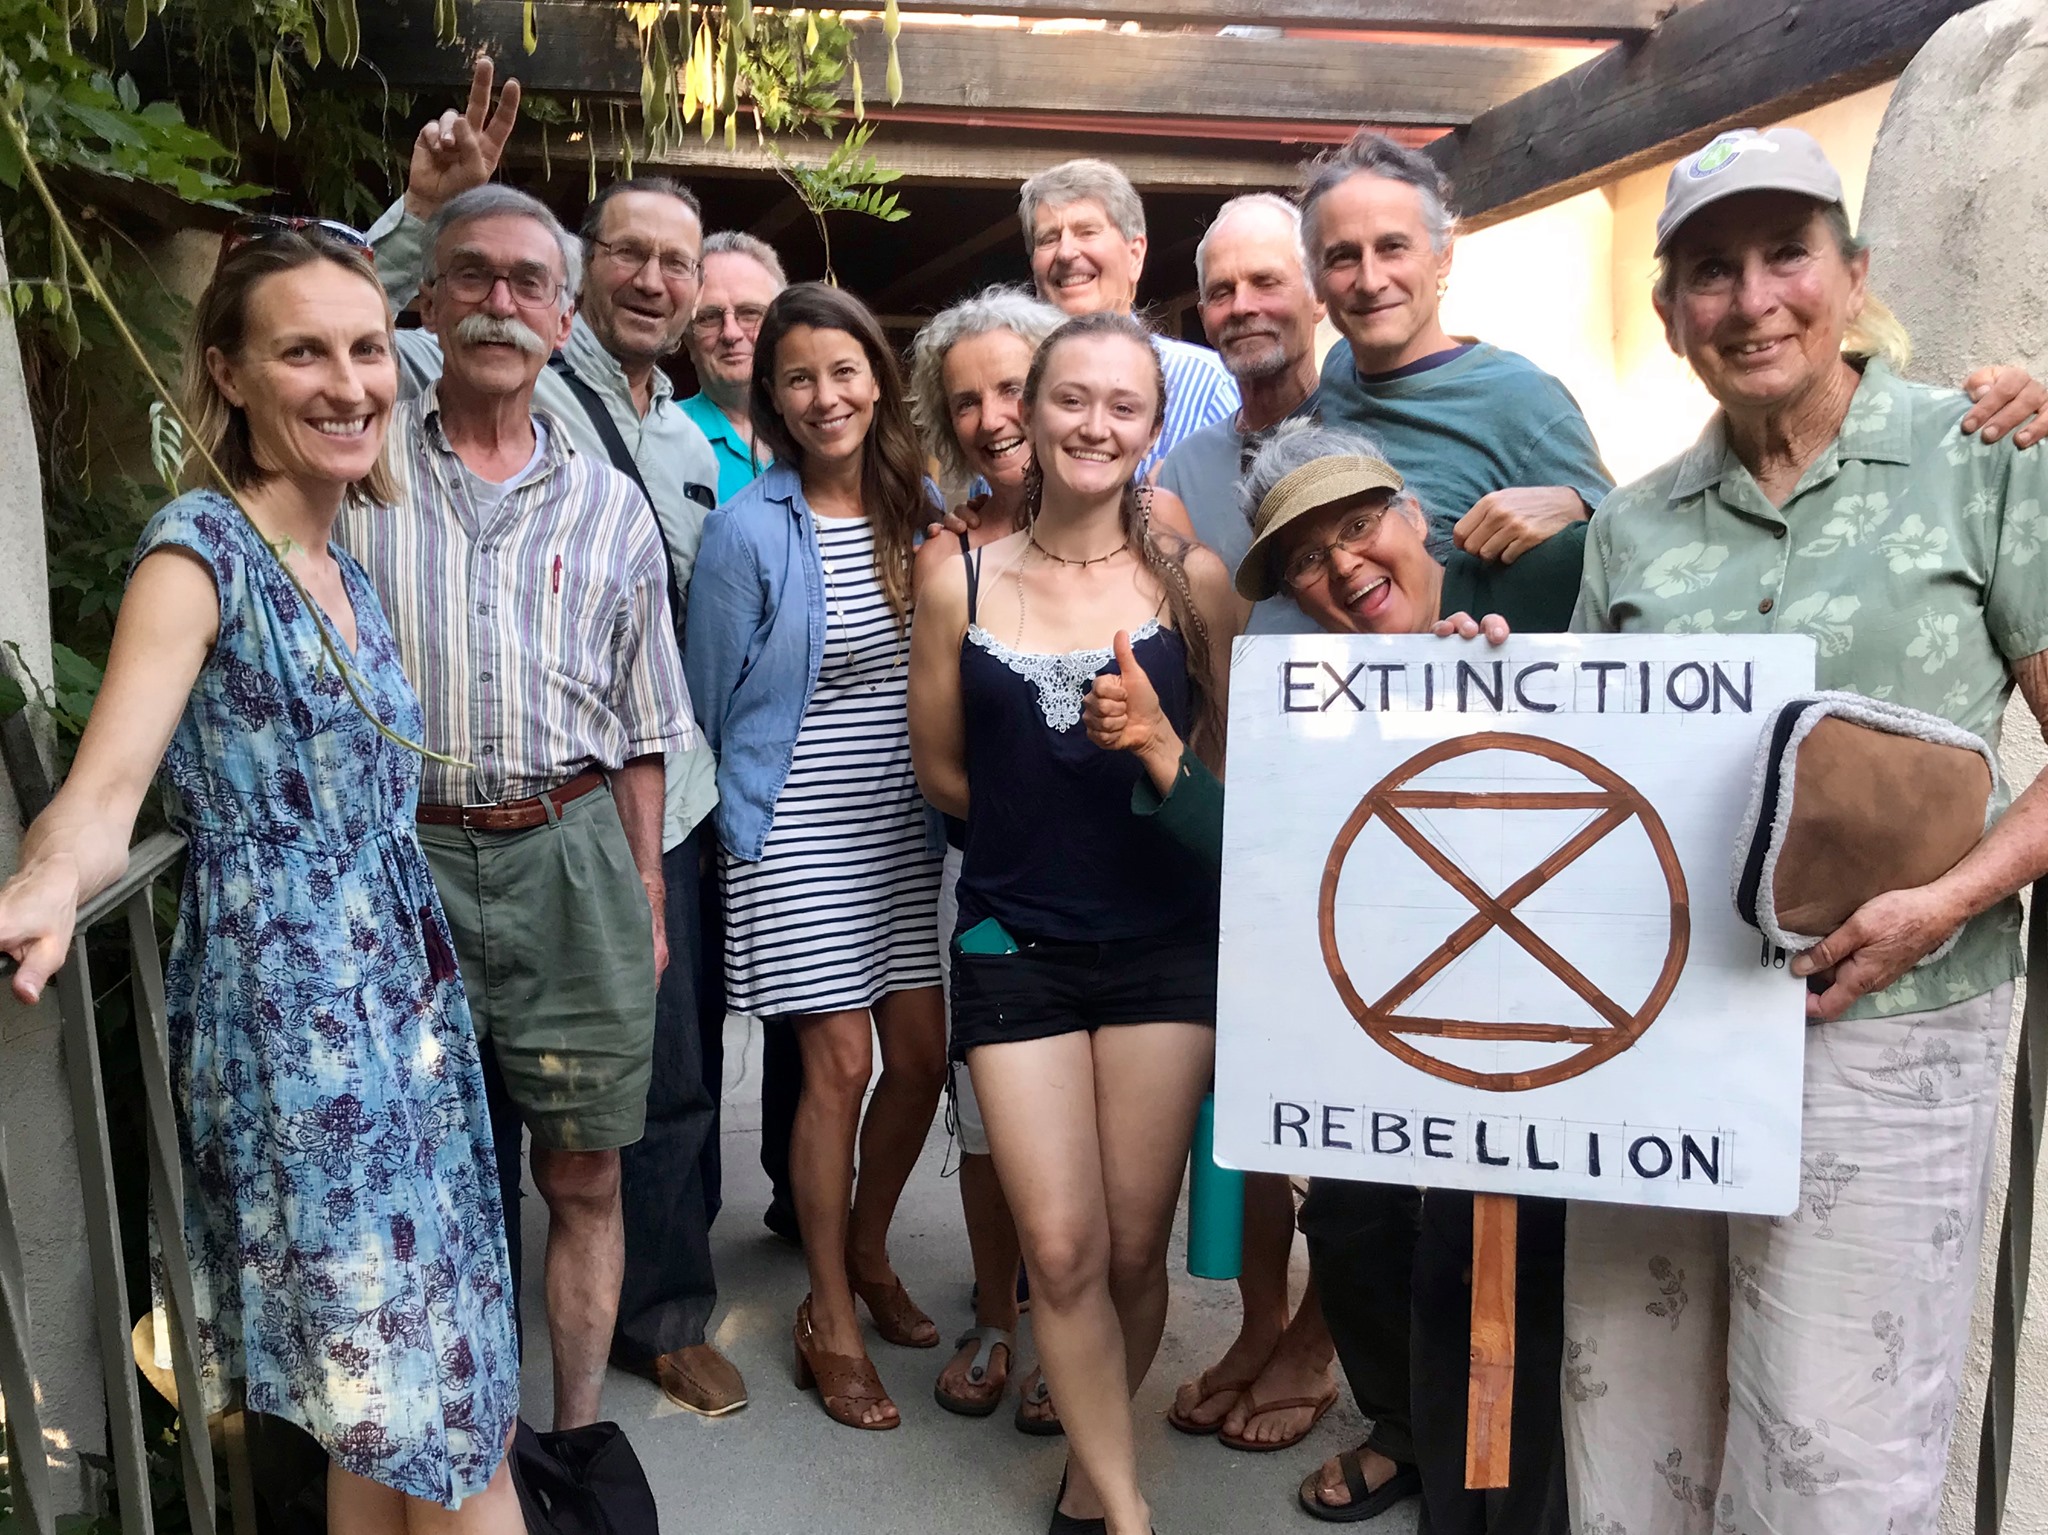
(1260, 314)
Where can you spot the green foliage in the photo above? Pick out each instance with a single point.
(849, 181)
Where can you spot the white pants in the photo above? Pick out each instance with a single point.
(1743, 1375)
(966, 1107)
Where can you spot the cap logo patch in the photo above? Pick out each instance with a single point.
(1724, 152)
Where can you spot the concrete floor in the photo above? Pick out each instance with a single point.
(781, 1467)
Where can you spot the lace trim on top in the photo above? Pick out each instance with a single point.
(1061, 678)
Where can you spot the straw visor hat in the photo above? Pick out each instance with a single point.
(1323, 482)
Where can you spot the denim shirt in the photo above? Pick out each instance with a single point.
(754, 640)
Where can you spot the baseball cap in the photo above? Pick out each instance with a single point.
(1322, 482)
(1746, 160)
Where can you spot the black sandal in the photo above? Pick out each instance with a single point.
(1366, 1503)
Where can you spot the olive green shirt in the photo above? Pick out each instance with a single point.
(1916, 557)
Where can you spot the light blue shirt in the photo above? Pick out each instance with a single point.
(739, 462)
(755, 641)
(668, 450)
(1199, 390)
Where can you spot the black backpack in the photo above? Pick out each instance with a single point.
(582, 1481)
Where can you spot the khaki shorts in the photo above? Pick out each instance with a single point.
(556, 945)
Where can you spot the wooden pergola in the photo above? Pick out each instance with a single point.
(1523, 101)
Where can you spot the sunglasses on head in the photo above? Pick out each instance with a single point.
(257, 228)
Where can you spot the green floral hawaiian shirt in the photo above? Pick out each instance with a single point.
(1915, 556)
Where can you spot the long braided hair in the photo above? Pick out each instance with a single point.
(1163, 552)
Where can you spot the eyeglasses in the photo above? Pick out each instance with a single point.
(631, 256)
(257, 228)
(709, 322)
(1313, 565)
(472, 282)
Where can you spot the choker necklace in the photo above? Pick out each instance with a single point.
(1031, 537)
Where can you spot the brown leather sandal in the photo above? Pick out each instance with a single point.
(846, 1383)
(1206, 1388)
(1315, 1405)
(896, 1315)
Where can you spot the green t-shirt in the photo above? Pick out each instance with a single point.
(1915, 556)
(1484, 421)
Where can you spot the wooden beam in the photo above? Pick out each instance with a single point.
(918, 280)
(1714, 65)
(931, 156)
(1533, 18)
(593, 50)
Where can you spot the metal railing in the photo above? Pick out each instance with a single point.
(2016, 1229)
(128, 898)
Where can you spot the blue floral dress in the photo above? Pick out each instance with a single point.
(341, 1198)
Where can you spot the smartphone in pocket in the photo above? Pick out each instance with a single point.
(987, 936)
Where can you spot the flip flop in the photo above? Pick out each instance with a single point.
(1317, 1405)
(1206, 1389)
(1365, 1503)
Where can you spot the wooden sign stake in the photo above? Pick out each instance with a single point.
(1489, 1409)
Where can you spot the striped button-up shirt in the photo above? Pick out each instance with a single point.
(537, 635)
(1199, 390)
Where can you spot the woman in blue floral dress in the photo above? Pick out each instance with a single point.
(341, 1200)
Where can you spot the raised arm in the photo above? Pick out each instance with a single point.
(79, 846)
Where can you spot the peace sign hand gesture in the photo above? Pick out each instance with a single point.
(460, 150)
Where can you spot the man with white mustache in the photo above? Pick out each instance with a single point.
(614, 404)
(1084, 228)
(528, 591)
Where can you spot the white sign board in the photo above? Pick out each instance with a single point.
(1477, 927)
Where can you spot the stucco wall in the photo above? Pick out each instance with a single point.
(1958, 205)
(42, 1160)
(1569, 286)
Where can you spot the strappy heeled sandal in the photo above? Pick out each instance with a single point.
(980, 1372)
(846, 1383)
(896, 1315)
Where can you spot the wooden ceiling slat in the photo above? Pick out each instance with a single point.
(931, 156)
(592, 49)
(1535, 18)
(1714, 65)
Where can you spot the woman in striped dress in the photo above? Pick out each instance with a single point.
(797, 649)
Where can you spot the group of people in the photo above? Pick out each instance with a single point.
(524, 721)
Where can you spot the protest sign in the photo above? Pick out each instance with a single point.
(1476, 927)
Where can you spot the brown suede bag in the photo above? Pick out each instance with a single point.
(1854, 797)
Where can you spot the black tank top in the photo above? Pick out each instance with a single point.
(1053, 850)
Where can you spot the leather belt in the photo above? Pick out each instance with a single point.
(513, 815)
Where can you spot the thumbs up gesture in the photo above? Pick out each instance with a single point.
(1122, 711)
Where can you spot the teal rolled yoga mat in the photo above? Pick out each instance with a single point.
(1215, 1205)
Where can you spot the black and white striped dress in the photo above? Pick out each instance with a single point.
(839, 911)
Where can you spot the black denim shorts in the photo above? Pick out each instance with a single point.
(1050, 987)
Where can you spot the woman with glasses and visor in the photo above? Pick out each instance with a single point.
(1336, 532)
(341, 1207)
